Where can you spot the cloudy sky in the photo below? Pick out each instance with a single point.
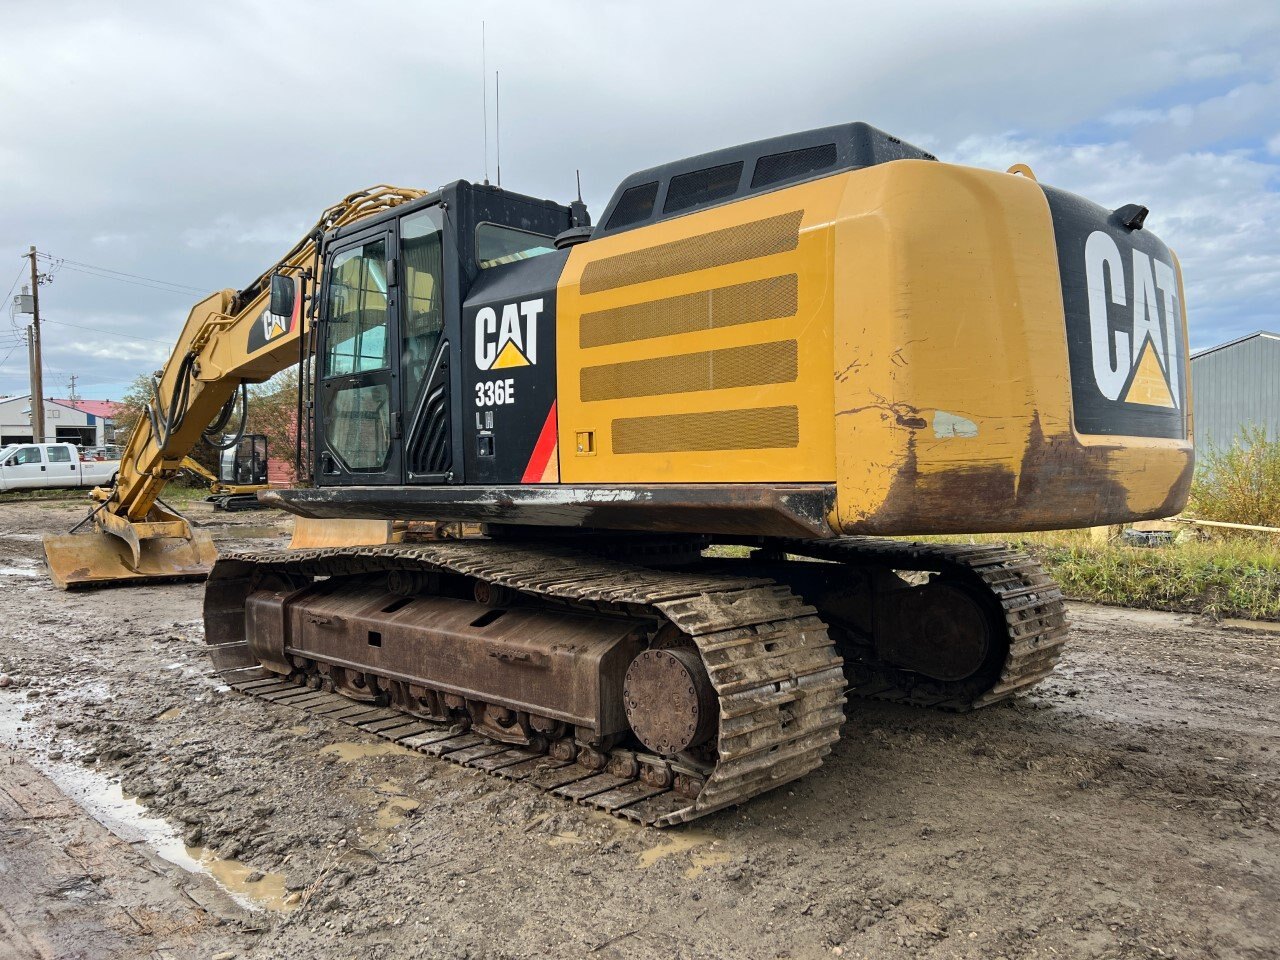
(158, 150)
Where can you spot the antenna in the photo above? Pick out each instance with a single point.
(497, 119)
(578, 174)
(484, 86)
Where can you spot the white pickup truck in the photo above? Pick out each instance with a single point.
(35, 466)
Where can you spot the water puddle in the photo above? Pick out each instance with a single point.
(347, 751)
(676, 843)
(129, 820)
(394, 812)
(19, 572)
(243, 882)
(103, 799)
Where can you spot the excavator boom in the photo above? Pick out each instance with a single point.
(230, 339)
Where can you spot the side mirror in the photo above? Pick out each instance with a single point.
(282, 294)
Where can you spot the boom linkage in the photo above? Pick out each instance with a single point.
(195, 396)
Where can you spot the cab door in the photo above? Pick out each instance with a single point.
(359, 423)
(25, 469)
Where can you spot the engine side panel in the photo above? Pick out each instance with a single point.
(954, 387)
(698, 349)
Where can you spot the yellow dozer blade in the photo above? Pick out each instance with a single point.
(99, 559)
(309, 533)
(162, 548)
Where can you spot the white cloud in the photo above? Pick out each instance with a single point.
(278, 232)
(1214, 65)
(195, 142)
(1218, 212)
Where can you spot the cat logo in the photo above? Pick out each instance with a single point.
(1135, 347)
(273, 326)
(511, 341)
(270, 326)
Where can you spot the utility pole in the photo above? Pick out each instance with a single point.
(71, 386)
(37, 368)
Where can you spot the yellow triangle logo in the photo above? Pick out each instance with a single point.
(510, 357)
(1149, 385)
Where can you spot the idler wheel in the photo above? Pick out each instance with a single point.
(669, 700)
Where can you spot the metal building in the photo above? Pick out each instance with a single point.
(1235, 384)
(86, 423)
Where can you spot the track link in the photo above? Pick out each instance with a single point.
(771, 661)
(1030, 604)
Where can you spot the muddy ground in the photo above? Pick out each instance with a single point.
(1128, 808)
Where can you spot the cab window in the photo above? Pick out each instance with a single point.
(357, 302)
(496, 245)
(59, 455)
(421, 246)
(25, 455)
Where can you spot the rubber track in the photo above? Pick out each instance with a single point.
(1032, 605)
(771, 661)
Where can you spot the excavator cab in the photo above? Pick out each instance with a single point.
(405, 299)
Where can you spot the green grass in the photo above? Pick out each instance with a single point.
(1221, 577)
(178, 494)
(1224, 577)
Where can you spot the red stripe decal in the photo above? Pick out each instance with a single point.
(542, 449)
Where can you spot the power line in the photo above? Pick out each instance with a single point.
(109, 333)
(81, 267)
(132, 276)
(134, 283)
(9, 299)
(13, 286)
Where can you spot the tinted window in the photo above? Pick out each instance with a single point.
(59, 455)
(497, 245)
(357, 311)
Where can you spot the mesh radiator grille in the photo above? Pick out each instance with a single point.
(758, 428)
(760, 238)
(750, 366)
(793, 164)
(750, 302)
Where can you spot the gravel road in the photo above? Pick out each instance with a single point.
(1127, 808)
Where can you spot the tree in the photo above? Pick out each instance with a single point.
(273, 408)
(132, 406)
(273, 411)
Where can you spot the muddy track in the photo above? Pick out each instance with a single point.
(1030, 604)
(775, 670)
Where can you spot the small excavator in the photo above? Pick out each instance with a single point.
(242, 473)
(619, 511)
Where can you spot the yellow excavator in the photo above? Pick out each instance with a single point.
(633, 494)
(242, 473)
